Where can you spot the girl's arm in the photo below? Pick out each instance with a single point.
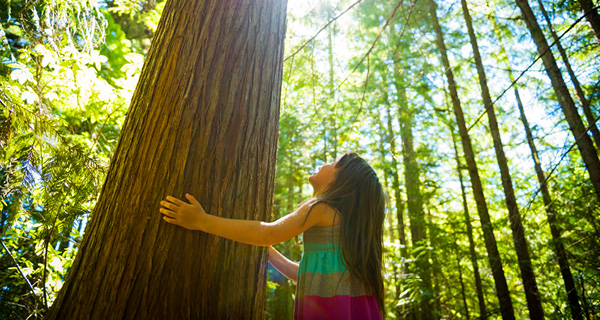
(193, 217)
(287, 267)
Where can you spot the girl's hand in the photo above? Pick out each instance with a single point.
(187, 215)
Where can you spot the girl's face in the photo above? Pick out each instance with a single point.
(323, 177)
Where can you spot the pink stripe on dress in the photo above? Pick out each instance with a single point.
(340, 307)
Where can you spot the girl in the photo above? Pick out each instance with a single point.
(339, 275)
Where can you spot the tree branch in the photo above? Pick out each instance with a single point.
(20, 271)
(321, 30)
(527, 69)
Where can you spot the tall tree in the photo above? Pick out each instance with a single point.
(506, 307)
(582, 139)
(203, 120)
(559, 248)
(414, 198)
(472, 253)
(399, 204)
(585, 104)
(534, 302)
(551, 211)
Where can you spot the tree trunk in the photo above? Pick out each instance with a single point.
(585, 104)
(462, 283)
(506, 307)
(400, 310)
(534, 302)
(414, 200)
(583, 141)
(396, 180)
(559, 249)
(203, 120)
(472, 253)
(592, 16)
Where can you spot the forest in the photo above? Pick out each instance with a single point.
(480, 118)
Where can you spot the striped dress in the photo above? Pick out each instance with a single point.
(325, 289)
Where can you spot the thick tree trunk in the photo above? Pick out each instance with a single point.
(203, 120)
(582, 139)
(592, 16)
(585, 104)
(506, 307)
(559, 249)
(534, 302)
(472, 253)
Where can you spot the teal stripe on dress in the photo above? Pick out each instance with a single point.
(324, 262)
(321, 246)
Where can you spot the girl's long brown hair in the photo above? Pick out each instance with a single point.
(359, 198)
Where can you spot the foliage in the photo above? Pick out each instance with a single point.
(60, 120)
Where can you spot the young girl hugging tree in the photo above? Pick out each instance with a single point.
(340, 273)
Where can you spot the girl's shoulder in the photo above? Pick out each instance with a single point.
(329, 216)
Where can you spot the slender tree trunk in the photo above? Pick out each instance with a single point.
(396, 180)
(592, 16)
(399, 204)
(414, 201)
(472, 253)
(559, 249)
(436, 268)
(386, 136)
(203, 120)
(506, 307)
(534, 302)
(583, 141)
(462, 283)
(587, 111)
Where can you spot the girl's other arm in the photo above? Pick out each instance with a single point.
(287, 267)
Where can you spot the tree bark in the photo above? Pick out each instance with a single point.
(506, 307)
(472, 253)
(534, 302)
(203, 120)
(585, 104)
(582, 139)
(592, 16)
